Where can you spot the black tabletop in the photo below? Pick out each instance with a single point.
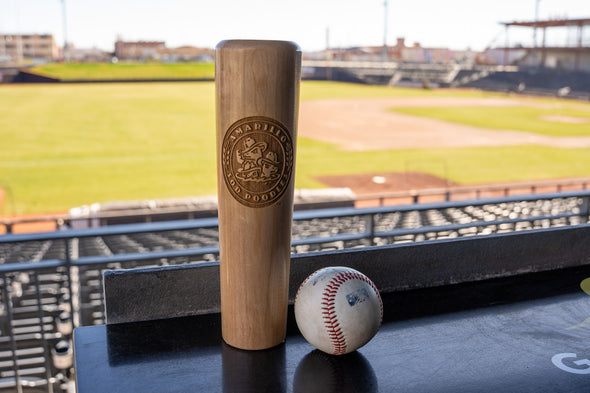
(431, 341)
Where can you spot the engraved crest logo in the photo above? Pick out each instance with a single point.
(257, 160)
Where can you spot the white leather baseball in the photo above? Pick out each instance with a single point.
(338, 310)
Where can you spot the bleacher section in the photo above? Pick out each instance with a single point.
(534, 81)
(464, 218)
(36, 327)
(394, 73)
(53, 281)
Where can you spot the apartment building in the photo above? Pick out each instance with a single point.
(19, 47)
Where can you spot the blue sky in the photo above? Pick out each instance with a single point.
(458, 24)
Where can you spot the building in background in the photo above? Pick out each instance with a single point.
(88, 55)
(138, 50)
(157, 50)
(399, 52)
(187, 53)
(19, 48)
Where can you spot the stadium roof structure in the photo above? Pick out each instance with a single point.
(578, 49)
(550, 23)
(578, 24)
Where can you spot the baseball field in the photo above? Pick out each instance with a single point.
(66, 145)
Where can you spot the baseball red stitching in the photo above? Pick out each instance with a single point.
(331, 323)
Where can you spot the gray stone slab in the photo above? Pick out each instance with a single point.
(171, 291)
(161, 292)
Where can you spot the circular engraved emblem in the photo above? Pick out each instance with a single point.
(257, 160)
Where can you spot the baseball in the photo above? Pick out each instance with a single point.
(338, 310)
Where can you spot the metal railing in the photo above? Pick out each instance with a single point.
(50, 284)
(451, 193)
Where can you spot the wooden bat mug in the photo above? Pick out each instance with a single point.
(257, 103)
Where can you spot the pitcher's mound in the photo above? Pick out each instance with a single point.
(385, 182)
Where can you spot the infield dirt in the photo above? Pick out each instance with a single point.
(368, 124)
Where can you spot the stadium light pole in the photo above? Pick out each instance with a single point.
(385, 21)
(534, 46)
(65, 31)
(536, 20)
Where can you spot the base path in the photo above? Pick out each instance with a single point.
(367, 124)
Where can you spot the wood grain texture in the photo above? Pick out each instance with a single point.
(257, 99)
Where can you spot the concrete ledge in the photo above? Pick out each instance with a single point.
(180, 290)
(161, 292)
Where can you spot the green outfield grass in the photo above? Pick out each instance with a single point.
(125, 71)
(69, 145)
(512, 118)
